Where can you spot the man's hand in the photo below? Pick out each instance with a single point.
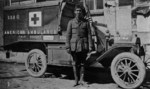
(68, 50)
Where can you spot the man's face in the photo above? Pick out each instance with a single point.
(78, 12)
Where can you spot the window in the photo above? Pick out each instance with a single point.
(90, 4)
(7, 2)
(95, 5)
(99, 4)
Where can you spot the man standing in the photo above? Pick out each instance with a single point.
(140, 48)
(78, 42)
(138, 41)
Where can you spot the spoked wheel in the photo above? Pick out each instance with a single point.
(128, 70)
(147, 62)
(36, 63)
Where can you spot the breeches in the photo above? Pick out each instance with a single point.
(79, 58)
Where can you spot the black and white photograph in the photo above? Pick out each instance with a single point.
(74, 44)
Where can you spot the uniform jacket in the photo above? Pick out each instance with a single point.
(78, 35)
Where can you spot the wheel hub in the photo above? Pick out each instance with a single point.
(127, 69)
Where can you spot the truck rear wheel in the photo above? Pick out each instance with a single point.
(128, 70)
(35, 63)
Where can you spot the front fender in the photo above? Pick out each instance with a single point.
(106, 58)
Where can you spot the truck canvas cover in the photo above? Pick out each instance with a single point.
(30, 23)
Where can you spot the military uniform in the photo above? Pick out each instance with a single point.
(78, 36)
(78, 40)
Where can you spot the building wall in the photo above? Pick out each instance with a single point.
(1, 22)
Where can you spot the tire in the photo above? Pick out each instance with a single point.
(128, 70)
(35, 63)
(147, 62)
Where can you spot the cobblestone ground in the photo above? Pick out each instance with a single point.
(14, 76)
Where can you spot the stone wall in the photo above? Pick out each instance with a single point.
(1, 22)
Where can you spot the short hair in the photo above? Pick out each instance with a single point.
(81, 7)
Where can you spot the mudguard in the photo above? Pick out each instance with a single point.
(106, 58)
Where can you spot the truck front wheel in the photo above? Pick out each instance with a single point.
(128, 70)
(35, 63)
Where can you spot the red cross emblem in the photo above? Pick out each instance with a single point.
(35, 19)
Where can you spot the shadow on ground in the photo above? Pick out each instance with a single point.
(92, 75)
(12, 70)
(146, 83)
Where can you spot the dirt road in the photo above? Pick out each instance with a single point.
(14, 76)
